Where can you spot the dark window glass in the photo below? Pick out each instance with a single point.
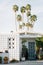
(13, 47)
(13, 38)
(9, 39)
(13, 43)
(9, 46)
(9, 43)
(6, 51)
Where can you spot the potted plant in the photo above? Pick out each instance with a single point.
(0, 59)
(5, 60)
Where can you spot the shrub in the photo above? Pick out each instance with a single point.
(0, 59)
(40, 57)
(24, 52)
(13, 60)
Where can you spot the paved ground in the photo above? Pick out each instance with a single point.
(26, 63)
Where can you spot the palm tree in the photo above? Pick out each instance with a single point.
(33, 18)
(23, 11)
(29, 25)
(28, 7)
(15, 9)
(19, 19)
(30, 18)
(28, 13)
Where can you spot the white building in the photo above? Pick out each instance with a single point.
(13, 43)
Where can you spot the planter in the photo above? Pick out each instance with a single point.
(5, 60)
(0, 59)
(23, 58)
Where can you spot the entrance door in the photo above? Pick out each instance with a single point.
(31, 46)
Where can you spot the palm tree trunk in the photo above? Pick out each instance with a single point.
(27, 22)
(15, 22)
(18, 25)
(22, 18)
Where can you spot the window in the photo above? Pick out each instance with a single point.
(13, 47)
(13, 43)
(9, 43)
(9, 46)
(6, 51)
(9, 39)
(13, 39)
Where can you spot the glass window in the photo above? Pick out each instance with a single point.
(9, 46)
(13, 47)
(13, 43)
(13, 38)
(9, 43)
(6, 51)
(9, 39)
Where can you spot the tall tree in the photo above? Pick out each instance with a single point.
(19, 19)
(28, 13)
(28, 25)
(30, 18)
(33, 18)
(15, 9)
(23, 11)
(28, 7)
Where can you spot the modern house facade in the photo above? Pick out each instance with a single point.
(13, 44)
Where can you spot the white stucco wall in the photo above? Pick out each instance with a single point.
(3, 42)
(14, 53)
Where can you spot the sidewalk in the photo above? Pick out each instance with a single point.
(32, 61)
(39, 60)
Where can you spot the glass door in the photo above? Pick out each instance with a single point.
(31, 51)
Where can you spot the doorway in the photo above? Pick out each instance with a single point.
(31, 51)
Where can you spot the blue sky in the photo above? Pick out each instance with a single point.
(7, 21)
